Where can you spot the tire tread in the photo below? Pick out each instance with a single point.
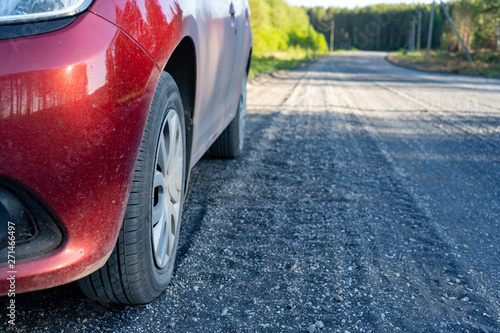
(123, 278)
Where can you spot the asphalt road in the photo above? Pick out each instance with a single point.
(367, 200)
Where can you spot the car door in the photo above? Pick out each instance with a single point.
(216, 28)
(241, 24)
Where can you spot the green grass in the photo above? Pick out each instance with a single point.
(281, 60)
(484, 63)
(261, 65)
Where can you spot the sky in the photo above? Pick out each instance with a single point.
(349, 3)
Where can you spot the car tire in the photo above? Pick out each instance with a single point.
(230, 143)
(141, 264)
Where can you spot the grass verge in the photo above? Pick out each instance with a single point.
(269, 63)
(485, 63)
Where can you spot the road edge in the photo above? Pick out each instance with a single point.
(263, 78)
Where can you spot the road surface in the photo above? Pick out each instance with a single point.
(367, 200)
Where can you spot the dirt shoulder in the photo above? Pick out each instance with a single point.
(484, 64)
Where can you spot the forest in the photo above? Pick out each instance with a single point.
(388, 27)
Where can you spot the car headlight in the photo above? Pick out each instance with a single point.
(23, 11)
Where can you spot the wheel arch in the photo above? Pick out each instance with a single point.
(182, 67)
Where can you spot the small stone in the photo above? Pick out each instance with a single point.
(224, 311)
(465, 299)
(311, 328)
(319, 324)
(338, 298)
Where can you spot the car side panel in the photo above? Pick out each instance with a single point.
(217, 48)
(240, 57)
(154, 24)
(159, 25)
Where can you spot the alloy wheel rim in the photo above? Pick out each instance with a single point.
(167, 189)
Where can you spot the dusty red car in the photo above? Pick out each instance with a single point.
(105, 106)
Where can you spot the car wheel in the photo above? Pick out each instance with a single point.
(142, 262)
(230, 143)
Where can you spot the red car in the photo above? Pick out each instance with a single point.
(105, 106)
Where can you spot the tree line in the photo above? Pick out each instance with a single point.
(388, 27)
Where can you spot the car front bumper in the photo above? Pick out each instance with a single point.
(73, 106)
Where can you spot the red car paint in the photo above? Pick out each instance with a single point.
(73, 106)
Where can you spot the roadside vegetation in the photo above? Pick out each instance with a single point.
(485, 63)
(281, 34)
(277, 61)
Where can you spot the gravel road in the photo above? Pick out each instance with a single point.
(367, 200)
